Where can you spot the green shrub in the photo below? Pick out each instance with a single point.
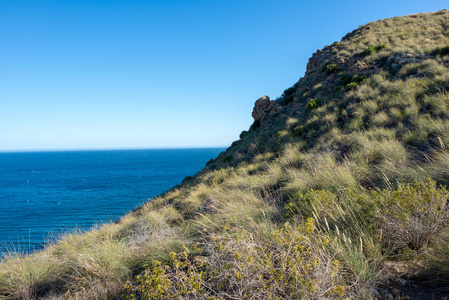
(307, 204)
(332, 68)
(313, 104)
(288, 92)
(375, 49)
(351, 86)
(414, 214)
(288, 95)
(243, 134)
(358, 78)
(345, 79)
(335, 44)
(182, 279)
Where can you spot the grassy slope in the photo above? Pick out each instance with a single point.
(317, 201)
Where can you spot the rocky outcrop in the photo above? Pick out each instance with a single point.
(320, 57)
(398, 60)
(263, 108)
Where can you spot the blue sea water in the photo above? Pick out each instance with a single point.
(44, 194)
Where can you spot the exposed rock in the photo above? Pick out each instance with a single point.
(398, 60)
(259, 107)
(320, 57)
(263, 108)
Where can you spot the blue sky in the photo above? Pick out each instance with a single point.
(155, 74)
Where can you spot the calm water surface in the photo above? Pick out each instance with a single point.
(45, 193)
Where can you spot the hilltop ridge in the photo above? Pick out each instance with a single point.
(338, 190)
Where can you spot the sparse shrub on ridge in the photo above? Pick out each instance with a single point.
(243, 134)
(332, 68)
(373, 49)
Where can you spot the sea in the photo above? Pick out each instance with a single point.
(44, 195)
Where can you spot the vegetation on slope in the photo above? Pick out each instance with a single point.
(340, 193)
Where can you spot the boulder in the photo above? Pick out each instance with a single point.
(264, 108)
(260, 106)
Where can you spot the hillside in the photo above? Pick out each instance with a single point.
(338, 190)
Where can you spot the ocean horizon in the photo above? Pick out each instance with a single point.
(47, 193)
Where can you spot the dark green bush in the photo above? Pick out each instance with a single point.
(243, 134)
(288, 92)
(345, 79)
(332, 68)
(375, 49)
(358, 78)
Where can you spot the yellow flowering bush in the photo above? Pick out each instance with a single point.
(236, 263)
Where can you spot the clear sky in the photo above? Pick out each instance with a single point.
(153, 74)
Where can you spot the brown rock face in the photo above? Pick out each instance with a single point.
(263, 108)
(260, 106)
(320, 57)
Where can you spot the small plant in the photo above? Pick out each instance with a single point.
(335, 44)
(313, 104)
(347, 79)
(182, 279)
(375, 49)
(281, 133)
(351, 86)
(358, 78)
(332, 68)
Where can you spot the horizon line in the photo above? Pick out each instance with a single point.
(109, 148)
